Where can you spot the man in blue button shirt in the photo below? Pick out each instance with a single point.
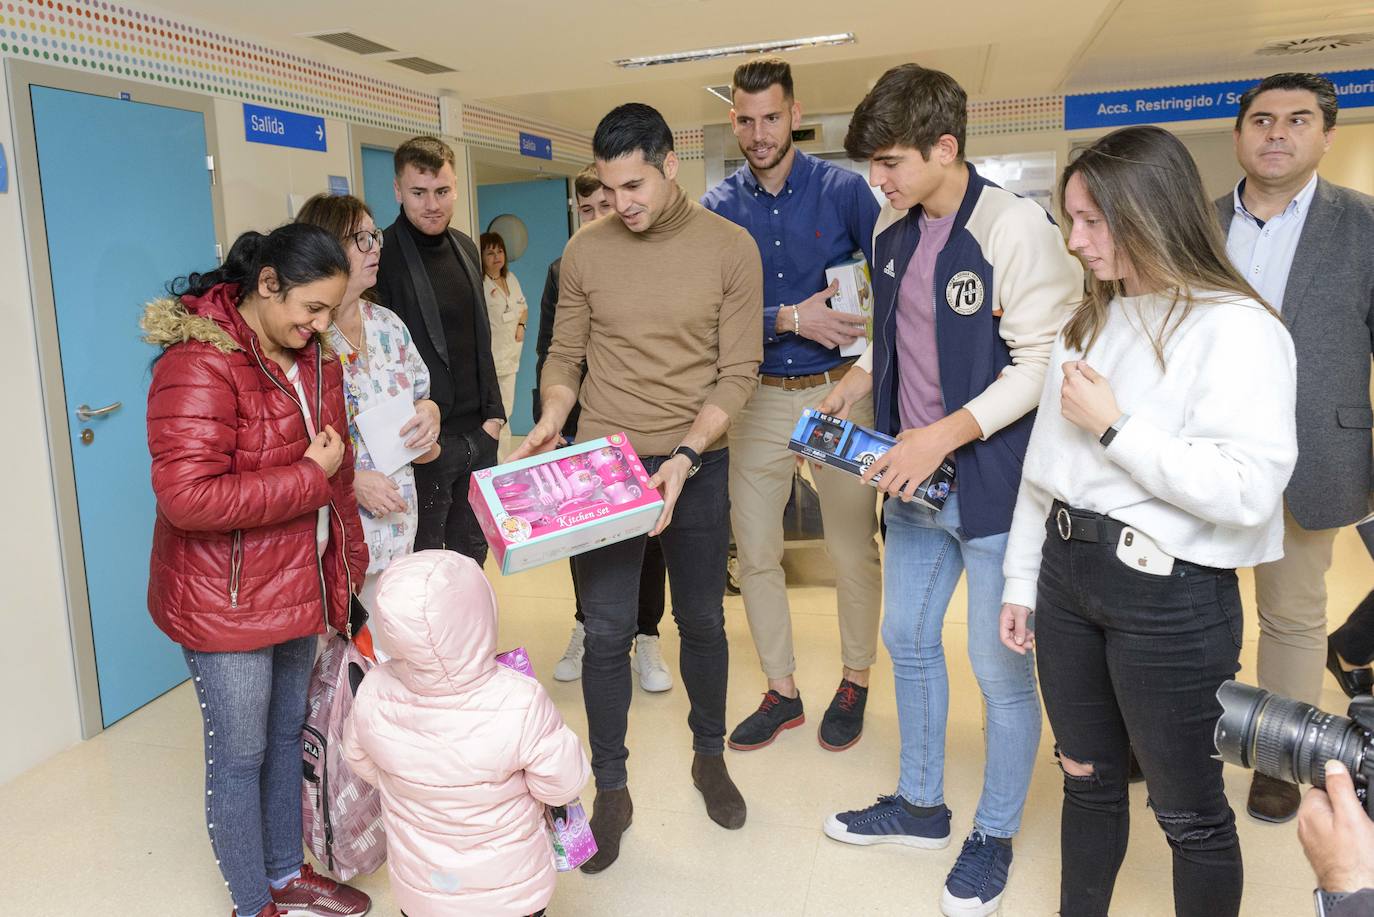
(806, 214)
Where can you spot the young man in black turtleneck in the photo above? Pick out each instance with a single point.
(431, 276)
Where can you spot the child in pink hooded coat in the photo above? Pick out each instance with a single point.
(466, 752)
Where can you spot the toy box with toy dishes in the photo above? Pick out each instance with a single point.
(565, 502)
(570, 831)
(854, 296)
(849, 447)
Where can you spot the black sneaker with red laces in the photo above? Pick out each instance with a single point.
(761, 727)
(843, 723)
(313, 895)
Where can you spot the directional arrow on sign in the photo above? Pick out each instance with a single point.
(319, 133)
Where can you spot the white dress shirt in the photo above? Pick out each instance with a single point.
(1263, 252)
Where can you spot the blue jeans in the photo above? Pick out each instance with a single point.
(926, 552)
(253, 705)
(696, 547)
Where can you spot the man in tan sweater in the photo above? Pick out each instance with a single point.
(663, 304)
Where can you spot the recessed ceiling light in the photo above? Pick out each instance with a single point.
(722, 93)
(761, 47)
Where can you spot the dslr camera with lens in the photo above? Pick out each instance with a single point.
(1289, 740)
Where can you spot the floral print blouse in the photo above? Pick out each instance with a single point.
(392, 367)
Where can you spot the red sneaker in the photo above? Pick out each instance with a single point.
(313, 895)
(269, 910)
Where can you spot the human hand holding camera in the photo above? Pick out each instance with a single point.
(1336, 834)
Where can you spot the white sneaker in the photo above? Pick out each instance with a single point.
(648, 662)
(569, 668)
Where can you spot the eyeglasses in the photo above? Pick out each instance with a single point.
(367, 241)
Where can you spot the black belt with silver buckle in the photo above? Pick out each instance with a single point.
(1082, 525)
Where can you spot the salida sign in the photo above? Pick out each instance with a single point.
(278, 127)
(1190, 103)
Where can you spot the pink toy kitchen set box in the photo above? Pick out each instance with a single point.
(564, 502)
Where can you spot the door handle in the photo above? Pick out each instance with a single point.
(84, 412)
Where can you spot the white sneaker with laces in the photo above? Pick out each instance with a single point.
(569, 668)
(648, 662)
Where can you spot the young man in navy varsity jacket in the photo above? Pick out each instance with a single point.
(971, 285)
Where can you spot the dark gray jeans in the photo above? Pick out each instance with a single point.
(441, 486)
(253, 707)
(1131, 660)
(696, 546)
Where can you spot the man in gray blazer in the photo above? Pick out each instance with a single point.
(1307, 246)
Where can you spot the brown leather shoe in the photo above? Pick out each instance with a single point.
(724, 803)
(1272, 800)
(612, 812)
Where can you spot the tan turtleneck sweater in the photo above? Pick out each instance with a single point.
(666, 320)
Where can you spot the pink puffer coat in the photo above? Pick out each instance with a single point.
(466, 752)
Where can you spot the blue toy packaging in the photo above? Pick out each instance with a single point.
(849, 447)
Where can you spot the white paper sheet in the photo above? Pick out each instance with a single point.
(380, 427)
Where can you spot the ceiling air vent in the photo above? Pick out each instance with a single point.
(421, 65)
(1291, 46)
(351, 42)
(722, 93)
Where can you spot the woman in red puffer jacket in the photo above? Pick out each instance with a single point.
(257, 545)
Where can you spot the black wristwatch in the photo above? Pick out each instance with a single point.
(1113, 430)
(692, 457)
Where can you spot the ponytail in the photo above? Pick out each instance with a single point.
(297, 252)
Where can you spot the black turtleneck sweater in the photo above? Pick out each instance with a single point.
(455, 388)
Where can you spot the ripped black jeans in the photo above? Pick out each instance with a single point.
(1130, 659)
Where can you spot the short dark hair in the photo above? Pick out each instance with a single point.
(1314, 83)
(910, 106)
(427, 154)
(585, 184)
(630, 127)
(758, 75)
(493, 240)
(337, 214)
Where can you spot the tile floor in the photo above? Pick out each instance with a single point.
(111, 826)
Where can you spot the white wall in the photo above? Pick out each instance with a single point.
(259, 179)
(691, 176)
(38, 716)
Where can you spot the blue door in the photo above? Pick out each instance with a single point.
(379, 184)
(126, 202)
(543, 207)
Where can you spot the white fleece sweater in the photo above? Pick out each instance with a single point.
(1202, 463)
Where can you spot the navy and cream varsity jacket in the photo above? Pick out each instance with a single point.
(1004, 286)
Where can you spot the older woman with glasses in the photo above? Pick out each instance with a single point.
(379, 363)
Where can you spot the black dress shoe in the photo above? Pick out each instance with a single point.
(1353, 681)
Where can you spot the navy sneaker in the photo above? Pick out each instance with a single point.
(975, 884)
(887, 821)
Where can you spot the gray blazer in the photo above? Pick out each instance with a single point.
(1328, 306)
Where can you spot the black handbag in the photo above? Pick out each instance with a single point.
(801, 520)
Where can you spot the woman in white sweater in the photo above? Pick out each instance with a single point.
(1164, 440)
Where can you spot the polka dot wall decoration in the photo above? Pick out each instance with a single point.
(690, 143)
(1016, 116)
(133, 44)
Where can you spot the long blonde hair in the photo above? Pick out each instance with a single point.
(1148, 190)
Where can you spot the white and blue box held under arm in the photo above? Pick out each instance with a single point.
(849, 447)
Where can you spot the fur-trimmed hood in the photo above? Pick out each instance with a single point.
(169, 321)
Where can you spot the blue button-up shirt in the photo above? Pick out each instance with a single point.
(1263, 252)
(820, 217)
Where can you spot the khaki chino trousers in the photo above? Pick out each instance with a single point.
(1290, 597)
(761, 469)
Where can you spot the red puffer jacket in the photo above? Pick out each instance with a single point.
(235, 564)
